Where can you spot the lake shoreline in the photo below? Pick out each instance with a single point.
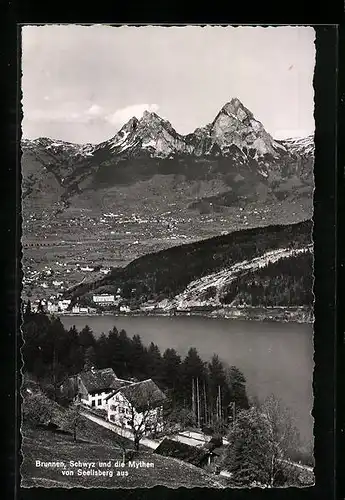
(274, 314)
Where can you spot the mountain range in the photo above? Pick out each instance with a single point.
(148, 165)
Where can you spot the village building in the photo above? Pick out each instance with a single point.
(204, 456)
(92, 387)
(125, 309)
(63, 305)
(52, 308)
(138, 404)
(200, 457)
(104, 299)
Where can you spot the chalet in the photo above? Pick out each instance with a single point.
(137, 404)
(93, 386)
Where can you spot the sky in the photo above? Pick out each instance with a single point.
(82, 83)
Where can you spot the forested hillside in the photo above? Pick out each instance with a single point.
(165, 274)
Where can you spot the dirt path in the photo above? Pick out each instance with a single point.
(149, 443)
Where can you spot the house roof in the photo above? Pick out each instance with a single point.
(118, 383)
(143, 394)
(99, 380)
(182, 451)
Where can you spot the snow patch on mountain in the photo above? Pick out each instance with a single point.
(300, 145)
(60, 147)
(117, 141)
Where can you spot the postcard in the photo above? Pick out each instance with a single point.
(167, 217)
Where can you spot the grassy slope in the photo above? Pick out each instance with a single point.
(99, 444)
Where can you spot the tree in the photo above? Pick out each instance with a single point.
(102, 352)
(171, 373)
(86, 338)
(145, 419)
(137, 360)
(75, 420)
(245, 455)
(178, 419)
(74, 359)
(283, 438)
(89, 358)
(37, 410)
(194, 375)
(237, 384)
(124, 354)
(260, 442)
(218, 393)
(154, 362)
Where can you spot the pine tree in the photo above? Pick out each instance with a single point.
(218, 390)
(86, 338)
(237, 383)
(124, 354)
(137, 364)
(171, 370)
(260, 443)
(89, 358)
(193, 373)
(75, 358)
(154, 364)
(103, 353)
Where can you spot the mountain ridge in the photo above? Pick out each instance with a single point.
(234, 108)
(234, 151)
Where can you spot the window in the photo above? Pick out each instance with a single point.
(93, 403)
(99, 402)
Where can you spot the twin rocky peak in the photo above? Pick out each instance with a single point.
(233, 132)
(233, 127)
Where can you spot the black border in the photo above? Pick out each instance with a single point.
(325, 219)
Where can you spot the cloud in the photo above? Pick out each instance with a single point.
(68, 113)
(121, 116)
(94, 110)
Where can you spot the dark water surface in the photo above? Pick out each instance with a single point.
(274, 357)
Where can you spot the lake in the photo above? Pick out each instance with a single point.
(274, 357)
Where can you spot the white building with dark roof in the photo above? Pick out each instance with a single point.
(93, 386)
(138, 404)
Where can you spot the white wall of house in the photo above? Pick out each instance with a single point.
(103, 299)
(120, 412)
(96, 400)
